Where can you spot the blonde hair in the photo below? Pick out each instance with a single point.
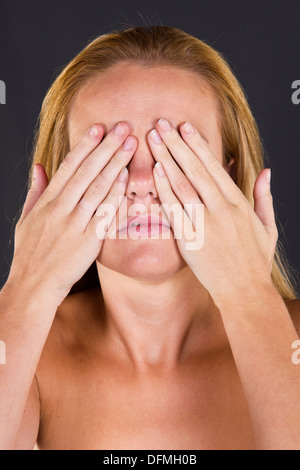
(153, 46)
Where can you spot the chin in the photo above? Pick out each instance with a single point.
(143, 259)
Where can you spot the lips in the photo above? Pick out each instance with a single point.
(147, 221)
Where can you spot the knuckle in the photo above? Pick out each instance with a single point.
(242, 204)
(66, 164)
(119, 160)
(54, 207)
(83, 171)
(227, 211)
(173, 138)
(98, 185)
(198, 170)
(182, 185)
(110, 143)
(84, 204)
(216, 166)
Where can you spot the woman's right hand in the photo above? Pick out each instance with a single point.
(56, 238)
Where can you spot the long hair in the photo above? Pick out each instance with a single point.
(152, 46)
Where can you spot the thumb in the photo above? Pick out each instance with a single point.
(263, 201)
(39, 183)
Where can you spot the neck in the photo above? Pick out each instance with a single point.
(157, 324)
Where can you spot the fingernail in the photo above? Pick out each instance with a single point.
(119, 130)
(188, 128)
(159, 169)
(164, 125)
(269, 175)
(93, 131)
(155, 136)
(123, 175)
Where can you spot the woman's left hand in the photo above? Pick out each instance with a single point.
(237, 251)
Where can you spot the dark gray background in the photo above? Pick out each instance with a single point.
(260, 40)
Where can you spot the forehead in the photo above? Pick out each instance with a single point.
(141, 95)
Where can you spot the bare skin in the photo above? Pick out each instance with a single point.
(149, 364)
(93, 398)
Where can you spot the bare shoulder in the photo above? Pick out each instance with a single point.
(293, 307)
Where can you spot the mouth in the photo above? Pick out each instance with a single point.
(150, 225)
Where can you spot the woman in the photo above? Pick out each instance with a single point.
(183, 346)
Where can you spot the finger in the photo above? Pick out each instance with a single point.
(178, 219)
(201, 166)
(113, 146)
(38, 185)
(213, 166)
(174, 146)
(106, 212)
(263, 201)
(187, 181)
(101, 185)
(70, 164)
(99, 189)
(180, 183)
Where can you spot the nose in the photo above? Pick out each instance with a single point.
(141, 185)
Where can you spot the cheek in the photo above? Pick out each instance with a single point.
(216, 147)
(74, 138)
(77, 131)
